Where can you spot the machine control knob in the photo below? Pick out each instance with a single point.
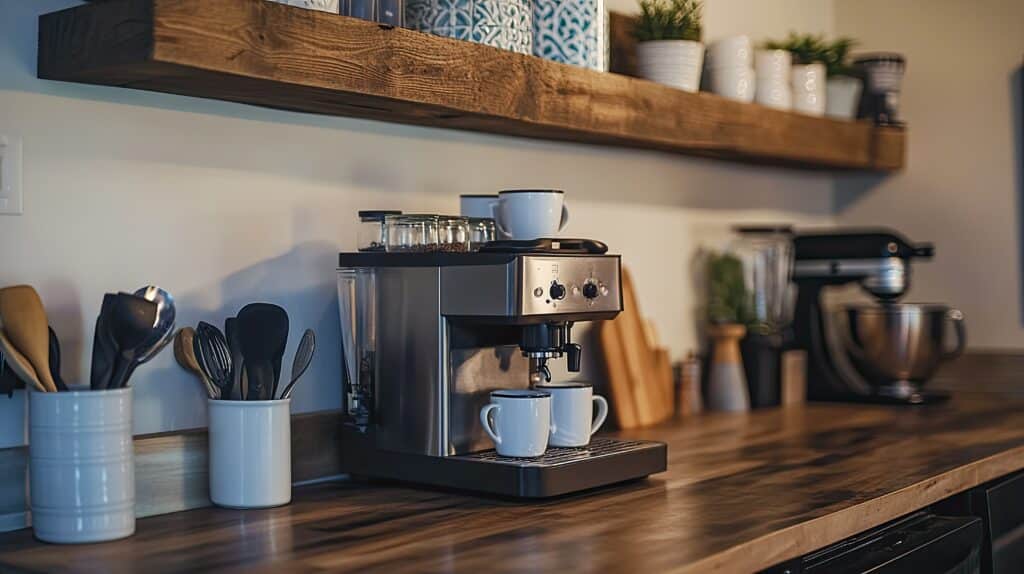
(557, 291)
(590, 290)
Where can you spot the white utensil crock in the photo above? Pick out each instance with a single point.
(81, 465)
(250, 453)
(676, 63)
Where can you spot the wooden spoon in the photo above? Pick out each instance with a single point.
(18, 363)
(24, 319)
(184, 354)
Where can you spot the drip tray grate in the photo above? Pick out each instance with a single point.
(555, 456)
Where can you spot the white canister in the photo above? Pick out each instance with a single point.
(81, 465)
(733, 83)
(808, 82)
(773, 66)
(676, 63)
(730, 52)
(250, 453)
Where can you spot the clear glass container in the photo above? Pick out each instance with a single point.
(481, 230)
(766, 254)
(371, 234)
(411, 233)
(357, 310)
(453, 234)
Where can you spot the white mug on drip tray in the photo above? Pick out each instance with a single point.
(518, 421)
(530, 213)
(572, 413)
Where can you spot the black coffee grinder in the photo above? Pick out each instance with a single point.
(877, 259)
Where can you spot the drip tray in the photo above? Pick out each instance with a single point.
(560, 471)
(555, 456)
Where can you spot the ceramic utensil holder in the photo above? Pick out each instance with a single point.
(81, 465)
(250, 453)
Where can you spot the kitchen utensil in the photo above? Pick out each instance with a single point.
(214, 357)
(727, 387)
(530, 213)
(521, 421)
(24, 321)
(8, 380)
(166, 312)
(303, 357)
(132, 322)
(572, 412)
(185, 355)
(250, 453)
(661, 371)
(55, 361)
(263, 333)
(235, 348)
(898, 346)
(104, 349)
(17, 362)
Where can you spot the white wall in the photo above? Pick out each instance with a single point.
(964, 180)
(223, 204)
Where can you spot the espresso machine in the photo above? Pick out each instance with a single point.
(428, 336)
(879, 260)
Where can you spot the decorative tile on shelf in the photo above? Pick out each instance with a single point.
(503, 24)
(571, 32)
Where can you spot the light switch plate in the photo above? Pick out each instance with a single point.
(10, 175)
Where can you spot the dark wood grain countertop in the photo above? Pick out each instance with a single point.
(743, 492)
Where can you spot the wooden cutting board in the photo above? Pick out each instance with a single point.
(636, 372)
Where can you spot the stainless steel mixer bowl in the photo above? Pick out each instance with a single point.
(898, 346)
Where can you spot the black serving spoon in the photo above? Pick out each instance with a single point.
(104, 349)
(262, 332)
(131, 322)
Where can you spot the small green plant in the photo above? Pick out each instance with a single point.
(669, 20)
(728, 299)
(809, 48)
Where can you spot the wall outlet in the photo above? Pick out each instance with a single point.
(10, 175)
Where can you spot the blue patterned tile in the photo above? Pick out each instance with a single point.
(571, 32)
(500, 23)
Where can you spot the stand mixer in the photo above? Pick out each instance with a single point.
(870, 353)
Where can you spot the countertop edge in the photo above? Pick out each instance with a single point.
(800, 539)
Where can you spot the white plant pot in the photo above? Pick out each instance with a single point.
(730, 52)
(676, 63)
(773, 66)
(808, 83)
(842, 96)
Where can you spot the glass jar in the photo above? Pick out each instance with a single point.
(410, 233)
(481, 230)
(452, 234)
(371, 234)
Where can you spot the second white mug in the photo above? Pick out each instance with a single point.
(530, 213)
(572, 413)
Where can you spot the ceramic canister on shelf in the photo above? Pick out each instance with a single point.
(571, 32)
(808, 82)
(331, 6)
(81, 465)
(505, 24)
(250, 453)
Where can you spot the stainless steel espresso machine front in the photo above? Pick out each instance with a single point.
(427, 337)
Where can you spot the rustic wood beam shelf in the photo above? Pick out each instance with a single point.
(268, 54)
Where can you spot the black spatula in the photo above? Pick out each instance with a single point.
(104, 350)
(262, 332)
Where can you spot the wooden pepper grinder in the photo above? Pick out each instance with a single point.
(727, 385)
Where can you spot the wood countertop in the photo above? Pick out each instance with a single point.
(742, 492)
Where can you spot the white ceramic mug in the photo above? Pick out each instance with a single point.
(530, 213)
(518, 421)
(250, 453)
(479, 206)
(82, 465)
(572, 413)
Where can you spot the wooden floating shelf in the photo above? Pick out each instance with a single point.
(268, 54)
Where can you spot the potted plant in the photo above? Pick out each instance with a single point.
(669, 50)
(842, 94)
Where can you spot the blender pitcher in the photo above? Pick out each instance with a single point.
(357, 308)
